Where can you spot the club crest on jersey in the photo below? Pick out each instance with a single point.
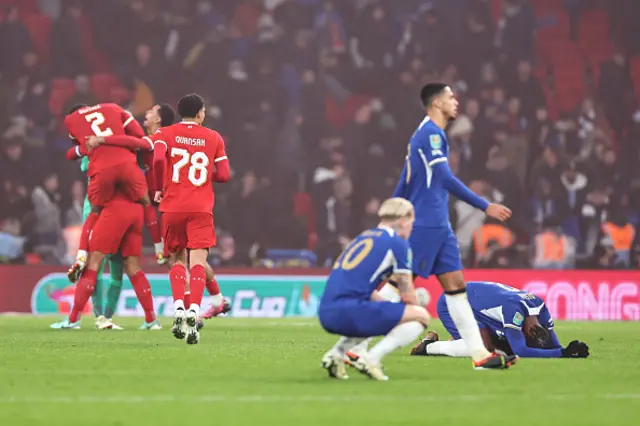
(435, 141)
(518, 319)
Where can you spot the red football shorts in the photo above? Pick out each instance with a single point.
(119, 229)
(126, 177)
(188, 231)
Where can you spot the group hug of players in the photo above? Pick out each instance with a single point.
(370, 290)
(178, 165)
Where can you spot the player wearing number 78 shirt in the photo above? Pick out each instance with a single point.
(187, 159)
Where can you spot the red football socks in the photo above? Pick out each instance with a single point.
(86, 231)
(187, 299)
(213, 288)
(141, 286)
(152, 223)
(84, 290)
(197, 283)
(178, 280)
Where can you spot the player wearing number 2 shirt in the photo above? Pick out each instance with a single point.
(188, 159)
(110, 167)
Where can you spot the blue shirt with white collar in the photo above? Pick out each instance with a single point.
(370, 259)
(427, 180)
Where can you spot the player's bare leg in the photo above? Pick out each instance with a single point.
(83, 248)
(197, 284)
(84, 290)
(414, 320)
(141, 286)
(219, 305)
(455, 290)
(152, 223)
(178, 280)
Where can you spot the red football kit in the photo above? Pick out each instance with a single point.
(119, 228)
(110, 167)
(188, 158)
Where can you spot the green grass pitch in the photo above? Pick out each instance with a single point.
(266, 372)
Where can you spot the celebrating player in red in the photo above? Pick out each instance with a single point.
(110, 166)
(117, 229)
(191, 157)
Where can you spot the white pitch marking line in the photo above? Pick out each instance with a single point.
(262, 399)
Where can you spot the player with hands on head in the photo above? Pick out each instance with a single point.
(511, 321)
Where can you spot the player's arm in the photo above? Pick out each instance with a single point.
(402, 276)
(76, 152)
(545, 319)
(131, 125)
(434, 157)
(131, 142)
(159, 159)
(518, 344)
(401, 187)
(221, 161)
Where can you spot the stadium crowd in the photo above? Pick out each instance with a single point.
(317, 100)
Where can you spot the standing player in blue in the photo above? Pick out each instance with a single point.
(351, 305)
(426, 181)
(511, 320)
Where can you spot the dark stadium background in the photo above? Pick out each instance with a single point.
(317, 100)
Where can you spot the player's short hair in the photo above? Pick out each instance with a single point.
(431, 91)
(167, 115)
(190, 105)
(395, 208)
(76, 107)
(539, 337)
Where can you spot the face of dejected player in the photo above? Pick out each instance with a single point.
(405, 226)
(448, 103)
(152, 116)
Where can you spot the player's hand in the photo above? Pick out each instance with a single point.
(576, 349)
(93, 142)
(498, 211)
(158, 196)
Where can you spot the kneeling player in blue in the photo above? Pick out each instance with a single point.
(510, 320)
(351, 306)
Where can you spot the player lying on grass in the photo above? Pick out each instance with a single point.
(118, 229)
(109, 167)
(511, 321)
(351, 305)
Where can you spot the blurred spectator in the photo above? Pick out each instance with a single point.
(46, 200)
(74, 214)
(575, 185)
(224, 255)
(526, 87)
(66, 41)
(553, 249)
(618, 234)
(492, 237)
(83, 94)
(12, 51)
(515, 30)
(329, 28)
(614, 88)
(548, 203)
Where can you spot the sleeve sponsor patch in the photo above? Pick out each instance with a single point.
(435, 141)
(518, 319)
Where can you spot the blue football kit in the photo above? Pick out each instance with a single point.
(426, 181)
(370, 259)
(502, 310)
